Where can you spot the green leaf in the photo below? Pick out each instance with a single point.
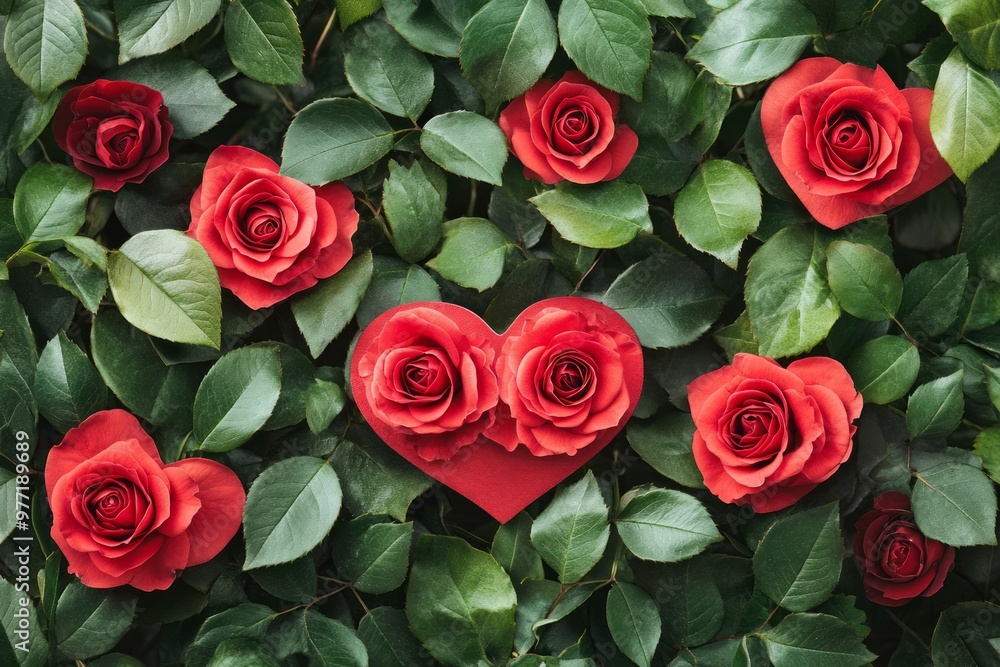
(86, 282)
(603, 215)
(966, 635)
(987, 448)
(955, 503)
(975, 25)
(932, 294)
(18, 359)
(572, 532)
(797, 563)
(718, 208)
(166, 285)
(290, 508)
(90, 622)
(45, 42)
(691, 607)
(609, 40)
(665, 444)
(248, 621)
(132, 369)
(962, 115)
(323, 312)
(386, 71)
(413, 209)
(297, 374)
(664, 525)
(460, 603)
(334, 138)
(541, 603)
(814, 640)
(737, 337)
(263, 41)
(240, 652)
(671, 105)
(884, 369)
(331, 643)
(512, 549)
(472, 253)
(191, 93)
(50, 202)
(33, 650)
(789, 301)
(506, 48)
(432, 26)
(666, 317)
(865, 281)
(8, 500)
(981, 226)
(634, 622)
(67, 386)
(236, 397)
(352, 11)
(935, 409)
(147, 27)
(753, 40)
(668, 8)
(22, 118)
(466, 144)
(394, 282)
(324, 401)
(390, 643)
(373, 554)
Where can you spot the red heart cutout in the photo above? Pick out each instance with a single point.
(501, 482)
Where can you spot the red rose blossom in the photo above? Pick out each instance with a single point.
(430, 381)
(562, 377)
(115, 131)
(768, 435)
(122, 517)
(849, 143)
(898, 561)
(566, 130)
(268, 235)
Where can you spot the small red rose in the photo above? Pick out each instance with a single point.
(768, 435)
(116, 131)
(431, 382)
(122, 517)
(849, 143)
(268, 235)
(898, 561)
(566, 130)
(562, 377)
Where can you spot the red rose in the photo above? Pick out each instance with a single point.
(566, 131)
(767, 435)
(562, 376)
(269, 236)
(121, 517)
(430, 381)
(848, 141)
(115, 131)
(898, 561)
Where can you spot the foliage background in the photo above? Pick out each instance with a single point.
(631, 561)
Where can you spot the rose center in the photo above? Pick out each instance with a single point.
(578, 127)
(261, 226)
(424, 376)
(849, 142)
(571, 379)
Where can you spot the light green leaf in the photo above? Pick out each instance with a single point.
(45, 42)
(865, 281)
(472, 253)
(603, 215)
(956, 504)
(664, 525)
(987, 448)
(386, 71)
(263, 41)
(352, 11)
(323, 312)
(572, 532)
(50, 202)
(975, 25)
(147, 27)
(466, 144)
(634, 622)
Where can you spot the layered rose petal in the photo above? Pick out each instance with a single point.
(767, 435)
(566, 130)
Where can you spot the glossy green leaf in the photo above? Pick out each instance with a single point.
(512, 549)
(604, 215)
(460, 603)
(67, 385)
(634, 622)
(609, 40)
(166, 285)
(324, 401)
(956, 504)
(884, 369)
(932, 294)
(241, 652)
(394, 282)
(864, 280)
(814, 640)
(472, 253)
(147, 27)
(263, 41)
(386, 71)
(691, 607)
(50, 202)
(414, 209)
(334, 138)
(668, 8)
(236, 397)
(466, 144)
(90, 622)
(290, 508)
(718, 208)
(797, 563)
(506, 48)
(665, 444)
(323, 312)
(664, 525)
(435, 26)
(373, 554)
(789, 301)
(85, 281)
(331, 643)
(935, 409)
(572, 532)
(975, 25)
(352, 11)
(45, 42)
(390, 642)
(248, 621)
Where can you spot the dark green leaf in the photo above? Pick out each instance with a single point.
(955, 503)
(90, 622)
(263, 41)
(240, 652)
(324, 401)
(8, 499)
(32, 650)
(966, 635)
(932, 294)
(334, 138)
(386, 71)
(413, 210)
(394, 282)
(372, 553)
(935, 409)
(248, 621)
(460, 603)
(332, 644)
(981, 226)
(665, 444)
(884, 369)
(433, 26)
(472, 253)
(323, 312)
(45, 42)
(864, 280)
(691, 607)
(572, 532)
(668, 8)
(466, 144)
(670, 107)
(390, 643)
(50, 202)
(737, 337)
(814, 640)
(634, 622)
(664, 525)
(22, 118)
(604, 215)
(609, 40)
(147, 27)
(797, 563)
(85, 281)
(512, 549)
(290, 508)
(540, 603)
(67, 385)
(162, 201)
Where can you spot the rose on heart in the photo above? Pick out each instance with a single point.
(120, 516)
(848, 142)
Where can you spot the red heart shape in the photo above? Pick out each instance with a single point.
(502, 483)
